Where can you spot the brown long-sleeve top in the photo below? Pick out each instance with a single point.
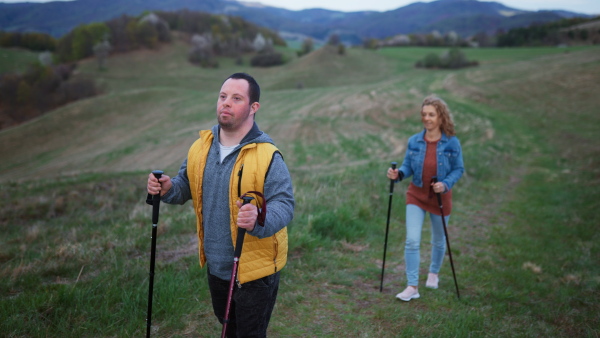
(424, 197)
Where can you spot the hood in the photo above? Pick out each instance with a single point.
(255, 135)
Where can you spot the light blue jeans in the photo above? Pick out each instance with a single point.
(415, 217)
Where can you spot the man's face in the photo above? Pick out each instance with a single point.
(234, 108)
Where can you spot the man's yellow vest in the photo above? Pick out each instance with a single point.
(260, 257)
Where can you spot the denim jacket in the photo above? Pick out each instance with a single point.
(450, 165)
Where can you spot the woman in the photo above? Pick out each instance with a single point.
(434, 152)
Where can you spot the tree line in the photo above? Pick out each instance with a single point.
(34, 41)
(572, 31)
(40, 89)
(565, 31)
(228, 36)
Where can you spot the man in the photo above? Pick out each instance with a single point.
(230, 160)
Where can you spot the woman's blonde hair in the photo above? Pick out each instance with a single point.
(447, 126)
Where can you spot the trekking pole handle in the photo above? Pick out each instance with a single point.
(150, 198)
(434, 179)
(241, 231)
(247, 199)
(393, 164)
(156, 198)
(157, 173)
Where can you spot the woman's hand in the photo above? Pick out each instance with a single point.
(438, 187)
(392, 174)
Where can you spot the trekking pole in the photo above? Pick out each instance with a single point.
(153, 200)
(239, 242)
(387, 228)
(439, 198)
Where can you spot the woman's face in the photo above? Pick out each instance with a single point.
(430, 118)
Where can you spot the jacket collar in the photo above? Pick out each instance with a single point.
(421, 137)
(254, 133)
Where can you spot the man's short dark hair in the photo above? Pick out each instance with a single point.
(253, 87)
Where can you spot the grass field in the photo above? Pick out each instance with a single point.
(16, 60)
(74, 254)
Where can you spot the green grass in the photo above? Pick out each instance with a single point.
(74, 255)
(16, 60)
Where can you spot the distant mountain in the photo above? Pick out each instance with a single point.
(466, 17)
(59, 17)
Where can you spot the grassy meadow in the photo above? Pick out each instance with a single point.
(75, 244)
(13, 59)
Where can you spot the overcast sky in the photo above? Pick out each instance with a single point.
(580, 6)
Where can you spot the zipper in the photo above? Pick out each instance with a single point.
(239, 194)
(276, 249)
(240, 180)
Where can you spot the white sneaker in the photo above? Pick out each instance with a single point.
(408, 294)
(432, 281)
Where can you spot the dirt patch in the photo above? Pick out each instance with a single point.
(187, 250)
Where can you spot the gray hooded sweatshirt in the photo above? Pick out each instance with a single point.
(278, 193)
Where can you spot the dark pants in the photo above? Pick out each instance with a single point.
(251, 305)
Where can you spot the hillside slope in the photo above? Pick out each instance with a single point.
(76, 228)
(157, 97)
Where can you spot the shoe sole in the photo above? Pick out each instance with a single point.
(408, 299)
(432, 286)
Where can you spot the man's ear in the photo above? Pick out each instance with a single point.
(255, 107)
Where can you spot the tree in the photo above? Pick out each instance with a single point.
(267, 60)
(481, 39)
(451, 38)
(163, 33)
(101, 50)
(334, 40)
(24, 93)
(259, 43)
(45, 58)
(431, 60)
(201, 52)
(85, 37)
(307, 47)
(371, 43)
(146, 35)
(120, 39)
(454, 58)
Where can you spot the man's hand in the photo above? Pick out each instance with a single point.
(247, 216)
(156, 186)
